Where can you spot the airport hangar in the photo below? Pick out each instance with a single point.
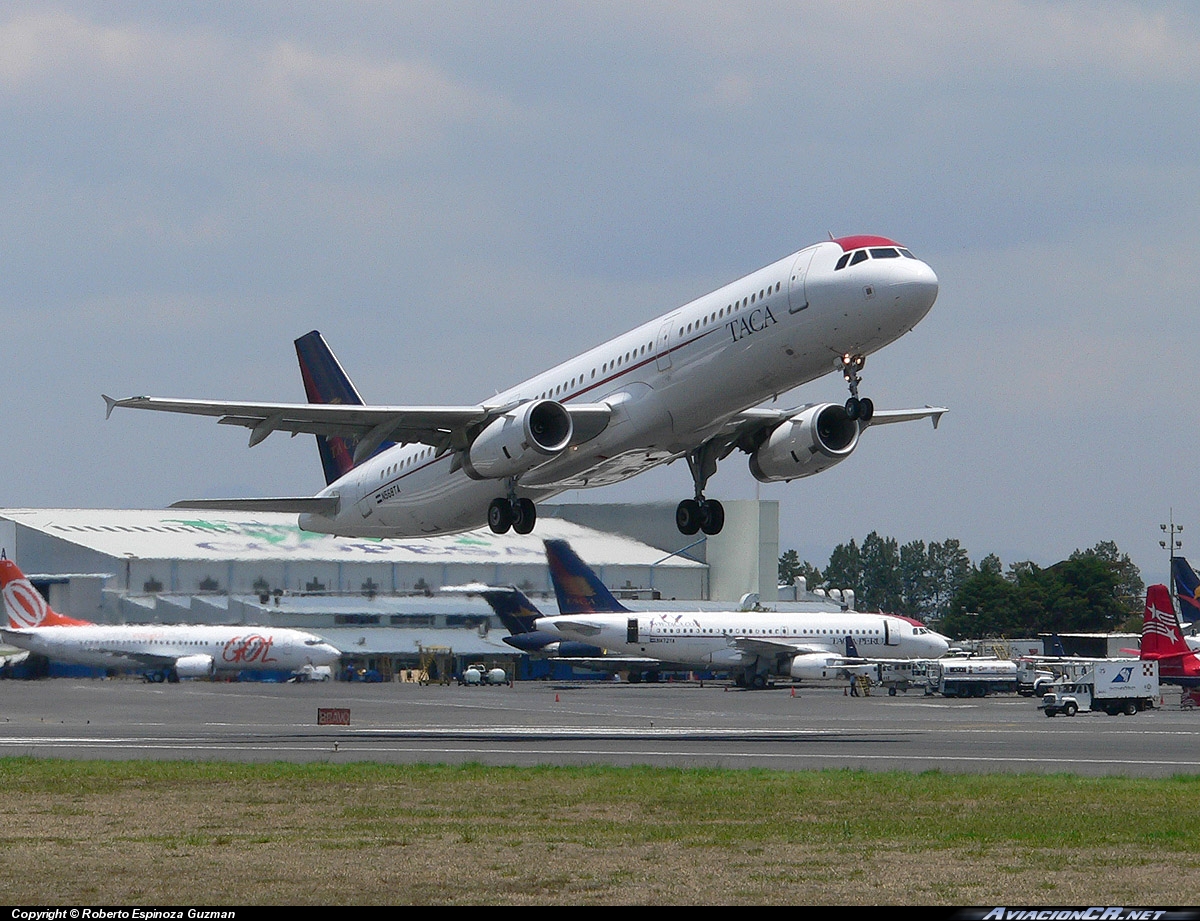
(380, 601)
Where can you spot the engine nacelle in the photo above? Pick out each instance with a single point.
(814, 666)
(809, 442)
(199, 666)
(519, 440)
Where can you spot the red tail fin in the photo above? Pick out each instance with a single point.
(1161, 635)
(25, 605)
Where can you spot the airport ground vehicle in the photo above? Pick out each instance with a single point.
(369, 675)
(1111, 686)
(1032, 681)
(971, 676)
(481, 674)
(901, 674)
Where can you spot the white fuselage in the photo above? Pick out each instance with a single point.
(673, 382)
(737, 639)
(231, 649)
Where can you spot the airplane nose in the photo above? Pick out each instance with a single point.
(917, 287)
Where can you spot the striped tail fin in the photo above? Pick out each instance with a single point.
(326, 382)
(1161, 636)
(24, 604)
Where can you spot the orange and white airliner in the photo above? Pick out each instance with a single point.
(169, 652)
(687, 384)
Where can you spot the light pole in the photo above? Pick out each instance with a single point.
(1171, 544)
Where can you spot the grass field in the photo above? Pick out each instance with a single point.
(153, 833)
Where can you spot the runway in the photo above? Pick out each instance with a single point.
(681, 725)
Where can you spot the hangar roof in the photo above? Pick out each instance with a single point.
(191, 535)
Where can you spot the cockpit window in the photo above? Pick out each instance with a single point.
(885, 252)
(906, 254)
(858, 257)
(841, 263)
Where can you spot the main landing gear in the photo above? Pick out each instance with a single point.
(700, 514)
(520, 514)
(861, 409)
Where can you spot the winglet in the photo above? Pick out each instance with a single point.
(109, 403)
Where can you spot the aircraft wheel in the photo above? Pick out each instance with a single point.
(687, 516)
(500, 516)
(524, 516)
(866, 409)
(712, 516)
(853, 407)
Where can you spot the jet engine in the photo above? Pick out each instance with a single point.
(813, 666)
(199, 666)
(811, 441)
(519, 440)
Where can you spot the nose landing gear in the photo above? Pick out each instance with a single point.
(861, 409)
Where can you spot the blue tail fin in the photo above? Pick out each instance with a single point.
(579, 590)
(515, 611)
(851, 648)
(326, 382)
(1056, 646)
(1187, 584)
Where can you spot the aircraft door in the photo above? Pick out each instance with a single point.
(797, 294)
(662, 347)
(631, 631)
(891, 634)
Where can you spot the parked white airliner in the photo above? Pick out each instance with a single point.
(685, 385)
(754, 645)
(169, 652)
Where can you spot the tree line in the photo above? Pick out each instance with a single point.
(1094, 590)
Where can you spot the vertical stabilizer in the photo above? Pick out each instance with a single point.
(579, 590)
(24, 605)
(326, 382)
(1187, 585)
(514, 609)
(1161, 635)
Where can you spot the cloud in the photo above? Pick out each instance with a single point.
(196, 92)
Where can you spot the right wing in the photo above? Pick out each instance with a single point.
(444, 427)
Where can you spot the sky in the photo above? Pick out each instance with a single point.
(460, 194)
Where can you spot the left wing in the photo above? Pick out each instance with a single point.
(807, 659)
(444, 427)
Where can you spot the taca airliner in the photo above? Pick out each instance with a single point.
(754, 645)
(169, 652)
(685, 385)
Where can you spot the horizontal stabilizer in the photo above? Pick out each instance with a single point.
(297, 505)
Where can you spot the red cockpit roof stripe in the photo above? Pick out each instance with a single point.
(861, 240)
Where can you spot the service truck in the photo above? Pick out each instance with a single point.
(971, 676)
(1033, 678)
(1110, 686)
